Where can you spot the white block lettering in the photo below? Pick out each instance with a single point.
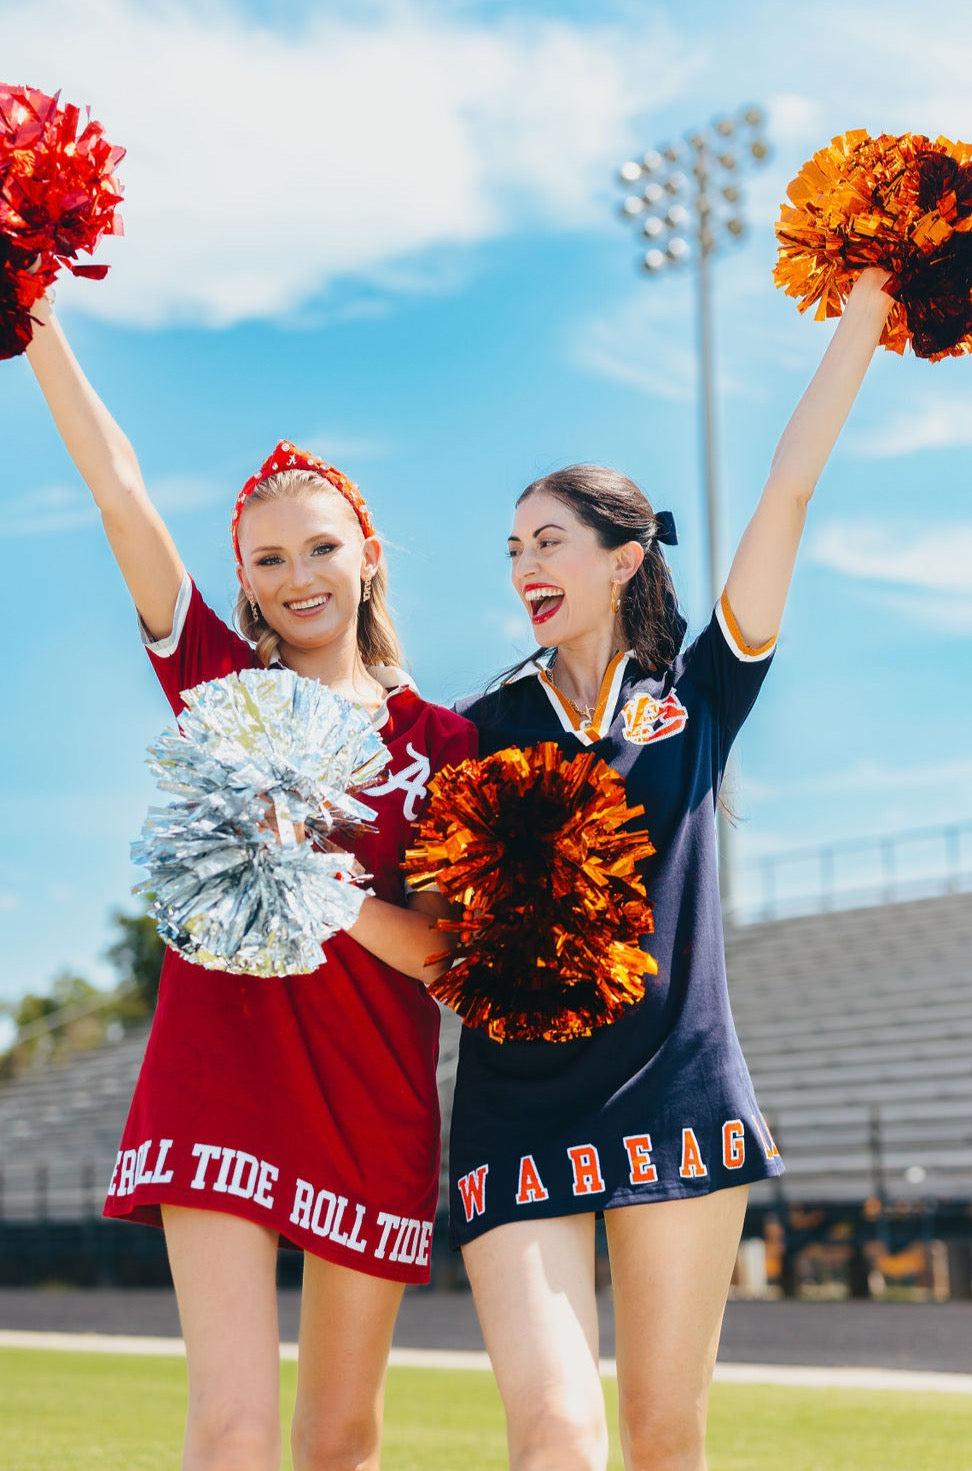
(387, 1222)
(303, 1200)
(268, 1173)
(205, 1153)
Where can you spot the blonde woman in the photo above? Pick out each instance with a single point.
(301, 1110)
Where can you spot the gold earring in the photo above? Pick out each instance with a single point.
(254, 609)
(615, 600)
(366, 590)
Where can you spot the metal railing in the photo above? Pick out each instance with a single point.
(919, 863)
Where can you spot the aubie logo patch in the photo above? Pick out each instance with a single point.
(647, 719)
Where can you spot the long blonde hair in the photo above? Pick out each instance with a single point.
(378, 642)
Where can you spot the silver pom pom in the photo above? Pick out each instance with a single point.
(257, 753)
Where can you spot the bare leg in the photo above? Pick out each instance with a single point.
(534, 1287)
(671, 1263)
(346, 1323)
(224, 1270)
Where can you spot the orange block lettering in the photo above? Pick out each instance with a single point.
(472, 1189)
(643, 1172)
(766, 1138)
(692, 1167)
(733, 1144)
(587, 1169)
(531, 1186)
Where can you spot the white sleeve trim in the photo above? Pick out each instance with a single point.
(164, 648)
(743, 655)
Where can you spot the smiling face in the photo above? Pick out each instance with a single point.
(304, 560)
(562, 572)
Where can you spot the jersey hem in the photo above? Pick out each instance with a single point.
(148, 1212)
(460, 1235)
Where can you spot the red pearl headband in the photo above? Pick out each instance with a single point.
(287, 456)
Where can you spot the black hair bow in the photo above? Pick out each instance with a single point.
(665, 528)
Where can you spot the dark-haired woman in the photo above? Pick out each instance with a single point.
(651, 1120)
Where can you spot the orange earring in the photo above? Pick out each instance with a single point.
(615, 600)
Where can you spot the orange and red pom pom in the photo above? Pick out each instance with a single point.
(58, 196)
(534, 849)
(901, 203)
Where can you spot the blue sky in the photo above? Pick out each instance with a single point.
(388, 231)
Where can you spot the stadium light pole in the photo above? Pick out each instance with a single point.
(685, 217)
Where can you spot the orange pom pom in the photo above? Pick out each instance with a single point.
(531, 845)
(901, 203)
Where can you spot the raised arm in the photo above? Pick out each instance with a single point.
(139, 538)
(759, 578)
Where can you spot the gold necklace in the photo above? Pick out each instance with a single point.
(585, 713)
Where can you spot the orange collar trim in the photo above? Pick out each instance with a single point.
(593, 729)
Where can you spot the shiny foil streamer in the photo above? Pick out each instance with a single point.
(256, 754)
(58, 196)
(533, 847)
(901, 203)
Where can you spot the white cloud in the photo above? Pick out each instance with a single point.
(337, 448)
(859, 778)
(53, 509)
(945, 613)
(173, 493)
(367, 147)
(648, 342)
(918, 576)
(905, 556)
(796, 118)
(509, 619)
(930, 420)
(264, 166)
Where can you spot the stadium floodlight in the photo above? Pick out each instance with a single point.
(689, 205)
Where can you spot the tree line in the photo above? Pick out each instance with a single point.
(73, 1014)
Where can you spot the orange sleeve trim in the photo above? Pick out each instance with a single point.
(753, 650)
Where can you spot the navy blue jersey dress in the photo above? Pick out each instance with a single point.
(659, 1104)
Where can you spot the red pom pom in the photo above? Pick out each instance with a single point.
(902, 203)
(58, 196)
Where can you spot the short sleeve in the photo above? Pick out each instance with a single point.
(199, 648)
(727, 670)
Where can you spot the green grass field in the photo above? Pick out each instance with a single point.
(77, 1412)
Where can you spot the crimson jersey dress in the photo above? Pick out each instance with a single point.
(306, 1103)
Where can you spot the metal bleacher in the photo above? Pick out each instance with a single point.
(857, 1026)
(59, 1130)
(60, 1125)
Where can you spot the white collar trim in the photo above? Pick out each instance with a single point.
(588, 734)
